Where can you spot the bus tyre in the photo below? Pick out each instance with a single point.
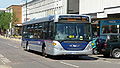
(116, 53)
(23, 46)
(27, 48)
(44, 52)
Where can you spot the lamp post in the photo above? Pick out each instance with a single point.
(26, 10)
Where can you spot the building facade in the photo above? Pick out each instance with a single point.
(100, 8)
(42, 8)
(2, 9)
(95, 8)
(15, 27)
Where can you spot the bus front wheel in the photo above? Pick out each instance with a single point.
(27, 48)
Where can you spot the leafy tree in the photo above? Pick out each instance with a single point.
(5, 19)
(14, 19)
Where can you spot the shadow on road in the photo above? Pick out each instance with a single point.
(66, 57)
(101, 56)
(73, 57)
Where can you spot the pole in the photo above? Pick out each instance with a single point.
(26, 10)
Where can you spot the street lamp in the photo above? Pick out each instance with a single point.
(26, 10)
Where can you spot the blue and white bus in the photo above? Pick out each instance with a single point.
(58, 35)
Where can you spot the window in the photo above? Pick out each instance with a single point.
(38, 31)
(45, 31)
(42, 30)
(51, 30)
(109, 29)
(114, 38)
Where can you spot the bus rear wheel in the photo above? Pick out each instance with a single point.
(116, 53)
(44, 52)
(27, 48)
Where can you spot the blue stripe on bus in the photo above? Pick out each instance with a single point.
(34, 41)
(74, 46)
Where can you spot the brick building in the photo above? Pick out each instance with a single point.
(17, 11)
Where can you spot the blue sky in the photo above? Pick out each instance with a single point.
(7, 3)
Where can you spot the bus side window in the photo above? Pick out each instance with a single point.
(40, 30)
(28, 31)
(24, 33)
(51, 30)
(45, 30)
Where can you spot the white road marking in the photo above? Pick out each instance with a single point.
(69, 64)
(4, 59)
(1, 56)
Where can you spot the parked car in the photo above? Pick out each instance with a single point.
(109, 45)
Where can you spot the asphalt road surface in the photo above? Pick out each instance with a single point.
(13, 56)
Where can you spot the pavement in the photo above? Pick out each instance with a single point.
(9, 38)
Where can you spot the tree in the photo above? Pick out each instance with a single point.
(5, 19)
(14, 19)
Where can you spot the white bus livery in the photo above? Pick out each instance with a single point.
(58, 35)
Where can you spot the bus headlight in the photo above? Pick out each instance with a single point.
(54, 44)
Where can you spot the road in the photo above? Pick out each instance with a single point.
(13, 56)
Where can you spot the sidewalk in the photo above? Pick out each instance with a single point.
(13, 38)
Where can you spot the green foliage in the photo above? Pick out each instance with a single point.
(6, 18)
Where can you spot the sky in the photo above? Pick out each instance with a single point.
(7, 3)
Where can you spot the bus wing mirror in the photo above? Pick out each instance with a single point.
(108, 37)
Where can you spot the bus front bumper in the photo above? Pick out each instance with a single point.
(64, 52)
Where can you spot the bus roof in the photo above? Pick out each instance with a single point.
(48, 18)
(54, 18)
